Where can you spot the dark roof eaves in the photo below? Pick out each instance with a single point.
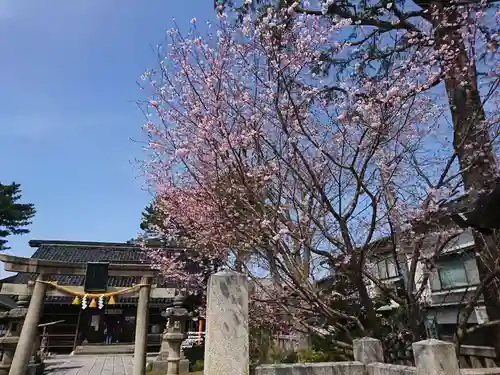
(38, 243)
(64, 243)
(7, 302)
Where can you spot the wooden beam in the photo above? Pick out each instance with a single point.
(51, 323)
(25, 290)
(51, 267)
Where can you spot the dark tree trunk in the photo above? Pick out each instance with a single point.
(472, 143)
(357, 279)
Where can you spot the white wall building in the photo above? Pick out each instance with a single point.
(453, 279)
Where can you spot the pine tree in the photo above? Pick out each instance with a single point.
(14, 216)
(152, 222)
(150, 217)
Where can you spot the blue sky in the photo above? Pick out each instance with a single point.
(68, 72)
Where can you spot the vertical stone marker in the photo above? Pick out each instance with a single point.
(368, 350)
(435, 357)
(226, 340)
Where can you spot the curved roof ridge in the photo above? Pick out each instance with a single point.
(39, 243)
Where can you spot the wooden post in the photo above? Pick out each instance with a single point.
(77, 332)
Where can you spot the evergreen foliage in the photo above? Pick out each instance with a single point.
(14, 216)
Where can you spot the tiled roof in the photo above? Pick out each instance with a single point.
(84, 252)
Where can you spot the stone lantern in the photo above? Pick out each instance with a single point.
(8, 342)
(14, 320)
(170, 353)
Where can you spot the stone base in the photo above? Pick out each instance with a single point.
(160, 363)
(183, 366)
(100, 349)
(162, 366)
(35, 368)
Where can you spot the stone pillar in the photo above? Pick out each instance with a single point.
(226, 340)
(435, 357)
(29, 331)
(141, 328)
(368, 350)
(183, 364)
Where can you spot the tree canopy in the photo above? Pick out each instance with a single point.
(14, 216)
(282, 145)
(149, 218)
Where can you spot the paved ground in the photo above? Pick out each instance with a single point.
(90, 365)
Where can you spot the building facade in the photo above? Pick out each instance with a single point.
(453, 279)
(74, 326)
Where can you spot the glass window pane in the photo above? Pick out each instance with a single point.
(391, 268)
(472, 271)
(382, 269)
(434, 280)
(453, 274)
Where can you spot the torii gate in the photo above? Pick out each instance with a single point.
(44, 268)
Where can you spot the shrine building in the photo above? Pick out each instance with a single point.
(83, 305)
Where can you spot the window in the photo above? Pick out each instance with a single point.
(452, 274)
(387, 268)
(455, 273)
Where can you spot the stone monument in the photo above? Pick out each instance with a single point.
(226, 338)
(435, 357)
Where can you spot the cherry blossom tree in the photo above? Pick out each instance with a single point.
(460, 41)
(260, 162)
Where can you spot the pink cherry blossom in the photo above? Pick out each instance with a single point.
(289, 179)
(181, 152)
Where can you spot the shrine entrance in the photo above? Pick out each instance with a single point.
(117, 323)
(93, 304)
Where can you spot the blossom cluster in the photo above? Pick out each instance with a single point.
(263, 158)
